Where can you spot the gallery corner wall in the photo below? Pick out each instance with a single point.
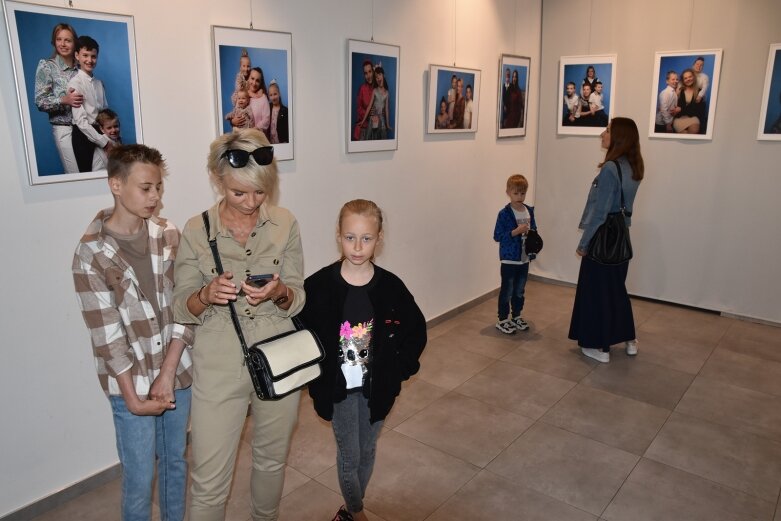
(440, 192)
(706, 217)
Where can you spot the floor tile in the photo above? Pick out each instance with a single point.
(655, 491)
(448, 367)
(516, 389)
(571, 468)
(639, 380)
(410, 479)
(482, 431)
(312, 449)
(687, 324)
(485, 340)
(552, 356)
(722, 454)
(726, 404)
(489, 496)
(744, 371)
(416, 394)
(608, 418)
(675, 353)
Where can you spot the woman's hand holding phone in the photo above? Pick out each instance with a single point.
(259, 288)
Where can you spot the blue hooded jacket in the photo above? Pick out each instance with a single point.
(510, 247)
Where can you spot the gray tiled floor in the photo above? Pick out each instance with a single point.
(525, 428)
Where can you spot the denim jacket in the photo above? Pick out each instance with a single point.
(603, 198)
(510, 248)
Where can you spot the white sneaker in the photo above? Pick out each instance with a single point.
(631, 347)
(596, 354)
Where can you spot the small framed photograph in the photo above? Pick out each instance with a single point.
(77, 88)
(512, 100)
(372, 96)
(587, 86)
(254, 85)
(770, 113)
(453, 99)
(684, 88)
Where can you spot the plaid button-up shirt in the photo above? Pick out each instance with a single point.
(123, 325)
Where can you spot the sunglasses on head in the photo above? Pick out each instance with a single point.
(239, 158)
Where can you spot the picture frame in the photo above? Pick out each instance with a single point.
(43, 78)
(513, 96)
(368, 131)
(269, 56)
(443, 84)
(770, 112)
(587, 118)
(671, 116)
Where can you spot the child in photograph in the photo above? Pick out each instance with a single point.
(279, 118)
(584, 117)
(123, 273)
(379, 123)
(241, 113)
(451, 96)
(442, 118)
(108, 123)
(512, 225)
(597, 105)
(667, 104)
(380, 337)
(242, 76)
(571, 104)
(85, 136)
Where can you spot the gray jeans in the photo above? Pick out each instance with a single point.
(356, 446)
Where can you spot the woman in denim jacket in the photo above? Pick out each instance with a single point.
(602, 313)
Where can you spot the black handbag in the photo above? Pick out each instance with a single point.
(281, 364)
(533, 242)
(611, 243)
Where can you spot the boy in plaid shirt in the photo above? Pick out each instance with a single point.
(123, 271)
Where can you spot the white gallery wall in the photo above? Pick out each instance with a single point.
(440, 192)
(706, 223)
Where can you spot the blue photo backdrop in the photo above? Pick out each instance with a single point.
(113, 69)
(773, 114)
(390, 65)
(602, 71)
(443, 85)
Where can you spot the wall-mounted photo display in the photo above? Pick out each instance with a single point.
(770, 113)
(512, 99)
(77, 87)
(587, 90)
(372, 96)
(684, 88)
(453, 99)
(254, 85)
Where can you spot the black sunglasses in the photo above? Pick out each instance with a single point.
(239, 158)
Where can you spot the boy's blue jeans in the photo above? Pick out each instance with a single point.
(512, 289)
(141, 440)
(356, 447)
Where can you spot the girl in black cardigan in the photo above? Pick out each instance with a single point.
(373, 333)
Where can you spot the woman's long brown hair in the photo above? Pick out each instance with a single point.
(625, 141)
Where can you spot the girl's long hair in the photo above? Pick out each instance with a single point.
(625, 141)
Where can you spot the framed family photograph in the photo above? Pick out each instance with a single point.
(254, 85)
(372, 96)
(77, 88)
(512, 99)
(770, 113)
(453, 99)
(587, 86)
(684, 88)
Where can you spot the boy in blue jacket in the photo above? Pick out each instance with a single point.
(512, 225)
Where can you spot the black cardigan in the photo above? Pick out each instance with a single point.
(398, 339)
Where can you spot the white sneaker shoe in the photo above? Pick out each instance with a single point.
(596, 354)
(631, 347)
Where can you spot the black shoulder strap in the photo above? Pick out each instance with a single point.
(621, 188)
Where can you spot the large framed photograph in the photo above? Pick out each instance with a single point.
(453, 99)
(254, 84)
(512, 99)
(770, 113)
(372, 96)
(684, 88)
(77, 87)
(587, 86)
